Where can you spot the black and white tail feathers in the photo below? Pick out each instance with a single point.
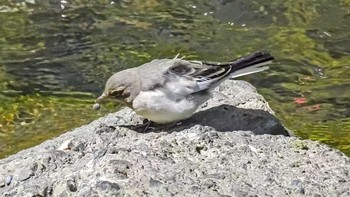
(246, 65)
(209, 74)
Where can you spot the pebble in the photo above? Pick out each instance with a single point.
(72, 186)
(8, 180)
(100, 153)
(80, 147)
(154, 183)
(96, 106)
(295, 183)
(65, 145)
(106, 185)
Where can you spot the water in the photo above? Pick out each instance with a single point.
(56, 55)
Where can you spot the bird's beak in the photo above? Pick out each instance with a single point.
(101, 98)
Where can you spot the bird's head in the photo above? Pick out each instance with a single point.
(117, 87)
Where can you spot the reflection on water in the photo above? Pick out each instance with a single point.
(56, 55)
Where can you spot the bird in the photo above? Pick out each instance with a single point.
(164, 91)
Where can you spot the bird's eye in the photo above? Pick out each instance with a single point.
(117, 92)
(180, 69)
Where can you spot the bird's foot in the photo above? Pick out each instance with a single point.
(145, 126)
(148, 125)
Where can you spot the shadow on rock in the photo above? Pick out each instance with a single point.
(226, 118)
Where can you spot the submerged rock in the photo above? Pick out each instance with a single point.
(234, 146)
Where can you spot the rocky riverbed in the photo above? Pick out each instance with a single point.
(234, 146)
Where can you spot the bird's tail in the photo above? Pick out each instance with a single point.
(250, 64)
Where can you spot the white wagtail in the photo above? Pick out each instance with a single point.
(170, 90)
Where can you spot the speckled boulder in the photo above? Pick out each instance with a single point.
(233, 146)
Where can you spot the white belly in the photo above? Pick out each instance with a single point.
(159, 108)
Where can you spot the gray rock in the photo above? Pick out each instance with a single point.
(225, 149)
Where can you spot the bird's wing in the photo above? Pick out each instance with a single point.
(184, 78)
(179, 77)
(187, 77)
(201, 75)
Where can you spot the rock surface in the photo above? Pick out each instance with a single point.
(224, 150)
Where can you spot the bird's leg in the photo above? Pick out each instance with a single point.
(146, 124)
